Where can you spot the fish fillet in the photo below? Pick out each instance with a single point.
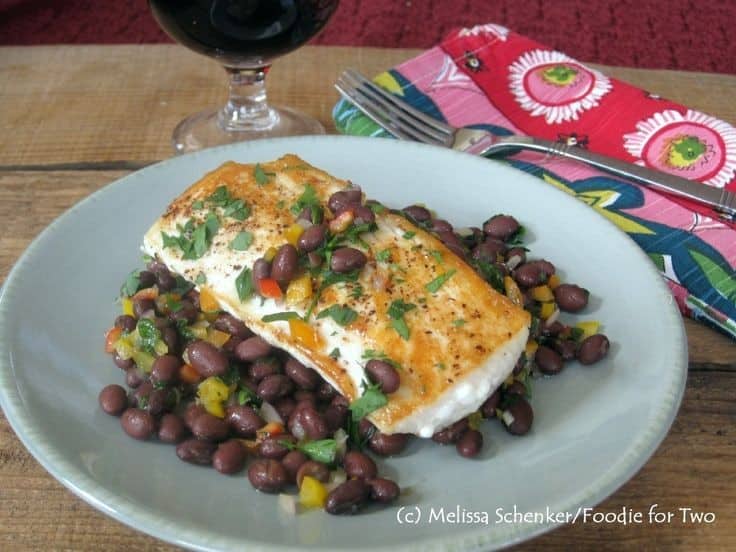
(464, 338)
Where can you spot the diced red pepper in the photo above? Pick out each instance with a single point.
(112, 335)
(270, 288)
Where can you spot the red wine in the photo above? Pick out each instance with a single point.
(242, 33)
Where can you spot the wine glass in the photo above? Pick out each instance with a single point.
(244, 36)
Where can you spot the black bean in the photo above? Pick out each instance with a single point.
(122, 363)
(228, 323)
(113, 400)
(138, 423)
(309, 215)
(440, 225)
(229, 457)
(165, 281)
(191, 413)
(317, 470)
(501, 227)
(315, 259)
(384, 374)
(308, 421)
(166, 369)
(171, 429)
(325, 392)
(383, 490)
(452, 433)
(453, 243)
(522, 416)
(207, 359)
(252, 348)
(348, 497)
(516, 388)
(142, 306)
(388, 445)
(300, 396)
(567, 348)
(125, 322)
(210, 428)
(363, 215)
(344, 198)
(272, 447)
(553, 329)
(268, 476)
(285, 264)
(293, 460)
(263, 367)
(347, 259)
(171, 338)
(160, 401)
(243, 420)
(133, 377)
(335, 417)
(261, 270)
(193, 297)
(305, 378)
(285, 406)
(311, 238)
(196, 451)
(571, 298)
(470, 443)
(516, 252)
(146, 279)
(366, 429)
(188, 312)
(533, 273)
(488, 408)
(357, 464)
(417, 213)
(548, 360)
(274, 387)
(141, 393)
(489, 251)
(593, 348)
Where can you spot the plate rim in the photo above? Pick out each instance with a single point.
(144, 519)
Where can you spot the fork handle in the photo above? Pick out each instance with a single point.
(721, 200)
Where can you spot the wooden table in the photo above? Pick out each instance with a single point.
(75, 118)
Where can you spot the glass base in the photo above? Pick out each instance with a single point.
(207, 128)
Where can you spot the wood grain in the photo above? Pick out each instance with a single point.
(73, 119)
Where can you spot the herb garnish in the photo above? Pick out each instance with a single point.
(370, 354)
(193, 240)
(371, 399)
(383, 256)
(357, 291)
(491, 274)
(198, 204)
(131, 284)
(307, 199)
(323, 451)
(440, 366)
(396, 312)
(200, 279)
(341, 314)
(242, 241)
(262, 177)
(233, 208)
(439, 281)
(247, 396)
(437, 256)
(335, 353)
(148, 335)
(458, 322)
(280, 316)
(409, 234)
(329, 278)
(244, 284)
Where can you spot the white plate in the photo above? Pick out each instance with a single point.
(594, 426)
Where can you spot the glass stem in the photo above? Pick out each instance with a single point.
(246, 107)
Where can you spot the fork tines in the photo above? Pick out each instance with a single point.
(391, 113)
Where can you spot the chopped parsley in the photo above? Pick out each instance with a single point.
(357, 291)
(242, 241)
(182, 286)
(341, 314)
(377, 208)
(440, 366)
(280, 204)
(148, 335)
(131, 284)
(247, 396)
(200, 279)
(307, 199)
(244, 284)
(439, 281)
(194, 239)
(323, 451)
(335, 353)
(396, 312)
(262, 177)
(197, 205)
(371, 354)
(280, 316)
(173, 303)
(458, 322)
(330, 278)
(383, 256)
(491, 274)
(233, 208)
(409, 235)
(437, 254)
(371, 399)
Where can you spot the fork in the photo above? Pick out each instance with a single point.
(407, 123)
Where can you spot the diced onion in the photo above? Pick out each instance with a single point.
(287, 504)
(337, 477)
(270, 414)
(513, 262)
(552, 318)
(464, 231)
(507, 417)
(341, 440)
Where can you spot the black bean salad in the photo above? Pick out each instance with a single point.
(199, 379)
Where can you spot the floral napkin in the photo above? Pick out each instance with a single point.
(489, 77)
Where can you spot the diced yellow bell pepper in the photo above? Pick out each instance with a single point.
(143, 360)
(207, 300)
(512, 291)
(589, 327)
(212, 393)
(293, 233)
(543, 294)
(303, 333)
(216, 337)
(199, 329)
(299, 290)
(531, 348)
(554, 281)
(270, 254)
(128, 306)
(312, 493)
(547, 310)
